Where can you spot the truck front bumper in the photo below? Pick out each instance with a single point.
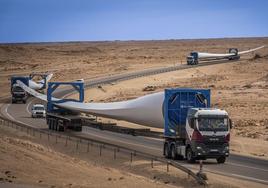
(204, 151)
(38, 115)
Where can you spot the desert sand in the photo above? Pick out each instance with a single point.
(239, 87)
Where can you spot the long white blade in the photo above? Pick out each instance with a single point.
(251, 50)
(212, 55)
(146, 110)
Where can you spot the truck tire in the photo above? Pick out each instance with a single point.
(167, 153)
(189, 155)
(53, 125)
(49, 125)
(173, 152)
(61, 128)
(221, 159)
(24, 101)
(78, 128)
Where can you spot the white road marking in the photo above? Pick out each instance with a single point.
(250, 178)
(27, 107)
(10, 116)
(247, 166)
(6, 110)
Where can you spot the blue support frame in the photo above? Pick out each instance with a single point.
(176, 105)
(52, 86)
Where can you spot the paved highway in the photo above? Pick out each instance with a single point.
(251, 169)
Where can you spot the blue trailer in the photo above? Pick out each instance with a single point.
(193, 130)
(18, 94)
(59, 119)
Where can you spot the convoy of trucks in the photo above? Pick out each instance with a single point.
(192, 129)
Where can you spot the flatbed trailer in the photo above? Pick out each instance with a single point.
(58, 122)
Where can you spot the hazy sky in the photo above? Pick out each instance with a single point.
(87, 20)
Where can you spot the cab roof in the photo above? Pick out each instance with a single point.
(38, 105)
(207, 111)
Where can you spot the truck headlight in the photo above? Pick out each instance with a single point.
(227, 148)
(198, 147)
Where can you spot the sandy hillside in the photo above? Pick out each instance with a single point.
(23, 162)
(75, 60)
(240, 88)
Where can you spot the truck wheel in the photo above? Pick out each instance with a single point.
(167, 153)
(61, 128)
(221, 159)
(173, 152)
(189, 155)
(24, 101)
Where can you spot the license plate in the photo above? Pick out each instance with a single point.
(213, 150)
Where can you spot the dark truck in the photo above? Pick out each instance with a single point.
(192, 129)
(17, 93)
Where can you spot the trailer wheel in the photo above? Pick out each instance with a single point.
(221, 159)
(167, 153)
(189, 155)
(53, 125)
(173, 152)
(61, 128)
(49, 124)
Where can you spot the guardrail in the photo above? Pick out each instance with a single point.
(79, 140)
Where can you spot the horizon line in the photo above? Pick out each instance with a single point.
(130, 40)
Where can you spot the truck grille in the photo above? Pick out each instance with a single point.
(214, 140)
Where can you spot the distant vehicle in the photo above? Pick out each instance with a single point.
(38, 110)
(233, 54)
(17, 93)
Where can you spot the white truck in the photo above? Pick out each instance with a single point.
(38, 110)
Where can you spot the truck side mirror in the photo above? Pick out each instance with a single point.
(230, 123)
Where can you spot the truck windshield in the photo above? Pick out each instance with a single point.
(17, 89)
(38, 108)
(212, 124)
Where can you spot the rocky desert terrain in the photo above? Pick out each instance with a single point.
(240, 87)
